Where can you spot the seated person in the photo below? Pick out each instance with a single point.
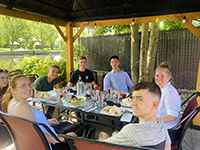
(116, 79)
(46, 83)
(15, 103)
(150, 131)
(85, 74)
(170, 102)
(3, 87)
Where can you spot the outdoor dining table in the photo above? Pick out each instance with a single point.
(61, 103)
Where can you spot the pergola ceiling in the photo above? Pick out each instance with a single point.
(84, 13)
(93, 10)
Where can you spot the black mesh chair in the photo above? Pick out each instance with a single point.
(95, 76)
(186, 120)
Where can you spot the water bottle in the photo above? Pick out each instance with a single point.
(80, 86)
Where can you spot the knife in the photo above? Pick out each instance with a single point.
(92, 109)
(84, 109)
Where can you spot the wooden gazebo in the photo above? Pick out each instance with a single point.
(86, 13)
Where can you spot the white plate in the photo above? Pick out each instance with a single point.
(50, 95)
(104, 112)
(124, 102)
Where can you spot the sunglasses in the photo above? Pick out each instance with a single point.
(4, 70)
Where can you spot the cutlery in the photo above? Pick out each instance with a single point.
(92, 109)
(84, 109)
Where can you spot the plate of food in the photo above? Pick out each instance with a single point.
(112, 110)
(46, 95)
(76, 100)
(126, 102)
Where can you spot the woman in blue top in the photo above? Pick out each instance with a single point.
(15, 103)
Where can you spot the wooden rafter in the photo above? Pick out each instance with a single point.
(189, 25)
(21, 15)
(78, 33)
(59, 30)
(171, 17)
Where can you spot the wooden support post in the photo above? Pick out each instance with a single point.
(78, 33)
(196, 120)
(69, 50)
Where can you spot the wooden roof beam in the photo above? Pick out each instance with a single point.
(171, 17)
(189, 25)
(22, 15)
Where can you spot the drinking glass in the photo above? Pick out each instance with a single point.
(112, 92)
(123, 95)
(104, 97)
(117, 96)
(94, 98)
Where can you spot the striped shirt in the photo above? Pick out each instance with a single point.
(146, 134)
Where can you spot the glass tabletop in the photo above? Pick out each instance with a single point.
(87, 106)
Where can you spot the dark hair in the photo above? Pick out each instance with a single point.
(54, 66)
(151, 87)
(114, 57)
(3, 90)
(82, 57)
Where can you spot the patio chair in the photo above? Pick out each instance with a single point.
(7, 141)
(26, 134)
(190, 112)
(195, 93)
(78, 143)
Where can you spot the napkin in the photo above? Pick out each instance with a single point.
(126, 117)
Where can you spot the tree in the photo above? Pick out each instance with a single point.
(135, 53)
(45, 34)
(11, 29)
(143, 52)
(143, 66)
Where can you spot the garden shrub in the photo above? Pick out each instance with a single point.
(40, 66)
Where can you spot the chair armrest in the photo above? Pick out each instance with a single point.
(90, 133)
(63, 138)
(183, 120)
